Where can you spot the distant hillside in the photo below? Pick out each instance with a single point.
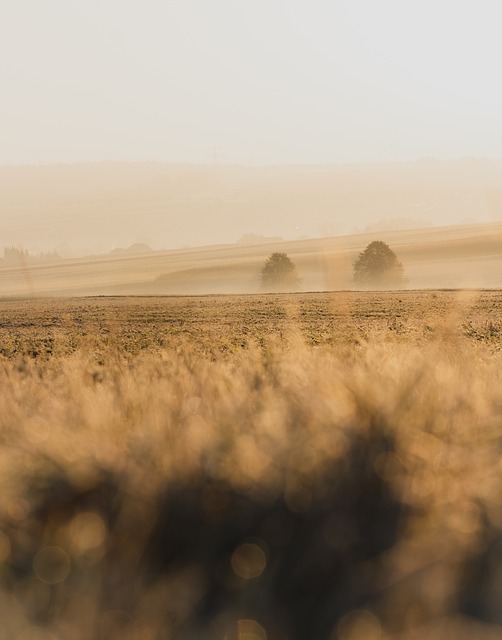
(135, 249)
(91, 208)
(453, 256)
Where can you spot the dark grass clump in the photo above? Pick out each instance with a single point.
(201, 558)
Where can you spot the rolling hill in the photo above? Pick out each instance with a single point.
(436, 257)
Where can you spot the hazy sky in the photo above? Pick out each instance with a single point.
(259, 81)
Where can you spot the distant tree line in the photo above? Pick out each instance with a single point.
(377, 267)
(16, 256)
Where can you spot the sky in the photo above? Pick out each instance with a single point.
(249, 82)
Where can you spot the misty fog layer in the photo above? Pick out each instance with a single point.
(153, 228)
(82, 209)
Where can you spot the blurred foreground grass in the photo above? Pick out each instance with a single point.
(263, 467)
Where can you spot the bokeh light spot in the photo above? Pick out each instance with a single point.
(249, 560)
(359, 625)
(250, 630)
(52, 565)
(88, 531)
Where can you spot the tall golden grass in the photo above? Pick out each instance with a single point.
(275, 490)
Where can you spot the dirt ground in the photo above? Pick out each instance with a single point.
(58, 326)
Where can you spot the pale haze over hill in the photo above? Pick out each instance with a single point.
(97, 207)
(197, 123)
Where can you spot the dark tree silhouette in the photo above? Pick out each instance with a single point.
(279, 274)
(378, 266)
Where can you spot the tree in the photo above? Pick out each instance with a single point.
(15, 255)
(279, 274)
(378, 266)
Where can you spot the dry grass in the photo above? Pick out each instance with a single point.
(302, 466)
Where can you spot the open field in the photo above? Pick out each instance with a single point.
(225, 323)
(265, 467)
